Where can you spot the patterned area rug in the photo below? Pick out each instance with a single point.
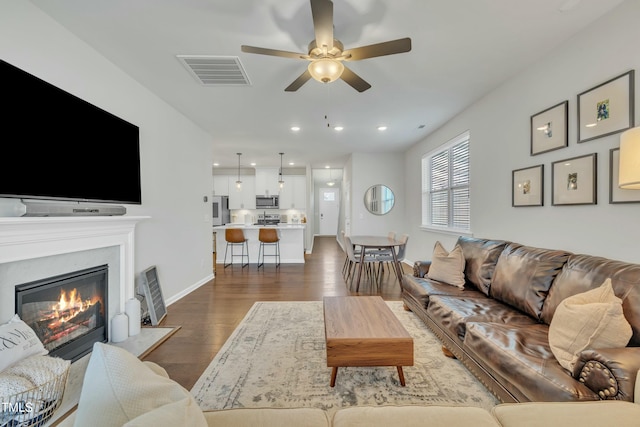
(276, 358)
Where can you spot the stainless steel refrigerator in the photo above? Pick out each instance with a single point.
(221, 214)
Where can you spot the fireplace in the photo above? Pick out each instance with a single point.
(67, 312)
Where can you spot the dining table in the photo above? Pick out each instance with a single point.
(369, 242)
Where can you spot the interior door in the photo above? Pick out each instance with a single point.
(328, 207)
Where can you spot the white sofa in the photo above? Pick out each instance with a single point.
(120, 390)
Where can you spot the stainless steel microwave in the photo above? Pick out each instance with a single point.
(267, 202)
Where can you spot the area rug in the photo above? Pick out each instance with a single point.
(276, 358)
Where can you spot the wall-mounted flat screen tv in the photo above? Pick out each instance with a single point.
(56, 146)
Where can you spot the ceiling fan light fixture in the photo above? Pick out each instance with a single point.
(326, 70)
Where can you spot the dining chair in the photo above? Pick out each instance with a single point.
(388, 257)
(355, 261)
(235, 237)
(384, 251)
(347, 262)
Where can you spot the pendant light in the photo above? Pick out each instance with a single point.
(280, 180)
(238, 182)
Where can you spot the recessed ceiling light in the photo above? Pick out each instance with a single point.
(295, 128)
(291, 163)
(327, 167)
(253, 163)
(338, 128)
(216, 164)
(381, 128)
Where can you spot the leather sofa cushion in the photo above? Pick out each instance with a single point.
(421, 289)
(524, 275)
(520, 358)
(480, 260)
(454, 312)
(582, 273)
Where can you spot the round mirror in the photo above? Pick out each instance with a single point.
(379, 199)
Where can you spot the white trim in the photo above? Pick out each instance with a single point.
(36, 237)
(188, 290)
(466, 135)
(447, 230)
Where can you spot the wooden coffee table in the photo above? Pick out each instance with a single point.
(362, 331)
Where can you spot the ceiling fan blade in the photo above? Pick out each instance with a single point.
(378, 49)
(273, 52)
(322, 11)
(354, 80)
(297, 83)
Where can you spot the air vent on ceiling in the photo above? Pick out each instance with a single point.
(216, 70)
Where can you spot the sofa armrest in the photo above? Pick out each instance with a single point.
(420, 268)
(610, 372)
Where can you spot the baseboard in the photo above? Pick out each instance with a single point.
(188, 290)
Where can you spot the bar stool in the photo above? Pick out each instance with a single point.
(235, 237)
(268, 236)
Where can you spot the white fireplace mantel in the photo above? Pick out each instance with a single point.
(28, 238)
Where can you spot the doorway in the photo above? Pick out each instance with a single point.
(328, 211)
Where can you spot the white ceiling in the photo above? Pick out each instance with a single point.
(462, 49)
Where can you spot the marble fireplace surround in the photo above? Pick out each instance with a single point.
(36, 238)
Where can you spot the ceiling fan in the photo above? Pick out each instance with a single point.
(326, 53)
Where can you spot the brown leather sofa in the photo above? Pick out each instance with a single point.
(498, 324)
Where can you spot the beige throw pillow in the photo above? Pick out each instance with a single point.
(447, 267)
(120, 390)
(590, 320)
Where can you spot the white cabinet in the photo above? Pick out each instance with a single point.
(221, 185)
(267, 181)
(246, 197)
(294, 193)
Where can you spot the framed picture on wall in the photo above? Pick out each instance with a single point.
(549, 129)
(527, 187)
(617, 195)
(573, 181)
(607, 108)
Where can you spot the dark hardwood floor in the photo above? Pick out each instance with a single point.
(208, 315)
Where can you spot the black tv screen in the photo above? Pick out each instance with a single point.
(57, 146)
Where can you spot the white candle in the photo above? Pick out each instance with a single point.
(119, 327)
(132, 309)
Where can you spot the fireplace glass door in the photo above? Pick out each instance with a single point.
(67, 312)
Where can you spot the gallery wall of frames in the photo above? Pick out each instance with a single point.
(602, 110)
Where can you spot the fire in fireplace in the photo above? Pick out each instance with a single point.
(67, 312)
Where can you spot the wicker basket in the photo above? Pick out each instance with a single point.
(33, 407)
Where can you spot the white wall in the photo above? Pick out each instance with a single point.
(365, 170)
(499, 127)
(175, 154)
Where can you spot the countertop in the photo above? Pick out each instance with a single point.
(281, 226)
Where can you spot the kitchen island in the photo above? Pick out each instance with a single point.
(291, 243)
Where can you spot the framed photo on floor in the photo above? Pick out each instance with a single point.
(527, 186)
(573, 181)
(607, 108)
(617, 195)
(549, 129)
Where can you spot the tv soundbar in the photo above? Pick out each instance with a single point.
(35, 208)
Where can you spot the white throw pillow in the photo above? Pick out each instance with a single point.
(447, 267)
(120, 390)
(589, 320)
(18, 341)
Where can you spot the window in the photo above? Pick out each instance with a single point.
(445, 186)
